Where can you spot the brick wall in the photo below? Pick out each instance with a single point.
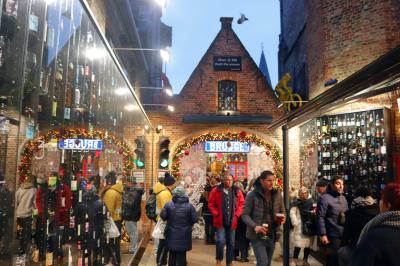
(344, 36)
(199, 96)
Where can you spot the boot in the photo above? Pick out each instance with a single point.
(306, 263)
(218, 263)
(230, 264)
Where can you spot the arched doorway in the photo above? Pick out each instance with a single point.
(34, 150)
(266, 151)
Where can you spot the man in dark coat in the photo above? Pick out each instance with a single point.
(225, 204)
(180, 216)
(363, 209)
(260, 207)
(331, 210)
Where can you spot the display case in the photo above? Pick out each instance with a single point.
(68, 120)
(353, 145)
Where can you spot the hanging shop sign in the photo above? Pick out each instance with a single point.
(226, 146)
(80, 144)
(227, 63)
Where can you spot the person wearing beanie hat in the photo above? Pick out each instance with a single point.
(169, 180)
(321, 185)
(180, 216)
(163, 195)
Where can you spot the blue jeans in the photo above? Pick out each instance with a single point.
(131, 229)
(263, 250)
(225, 235)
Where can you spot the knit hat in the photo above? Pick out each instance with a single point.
(169, 180)
(179, 191)
(322, 182)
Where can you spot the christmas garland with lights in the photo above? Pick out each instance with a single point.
(32, 146)
(271, 150)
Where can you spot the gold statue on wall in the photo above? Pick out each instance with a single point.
(285, 94)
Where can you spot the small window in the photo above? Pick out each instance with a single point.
(227, 95)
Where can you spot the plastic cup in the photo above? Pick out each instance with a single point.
(280, 217)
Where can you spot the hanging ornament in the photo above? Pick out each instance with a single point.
(243, 134)
(77, 141)
(186, 152)
(229, 144)
(121, 151)
(268, 152)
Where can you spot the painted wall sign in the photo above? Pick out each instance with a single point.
(80, 144)
(227, 63)
(222, 146)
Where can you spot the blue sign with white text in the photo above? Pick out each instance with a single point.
(223, 146)
(80, 144)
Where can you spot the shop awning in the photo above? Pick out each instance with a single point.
(380, 76)
(233, 119)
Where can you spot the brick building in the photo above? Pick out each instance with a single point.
(202, 107)
(337, 45)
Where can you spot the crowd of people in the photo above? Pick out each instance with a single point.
(239, 216)
(62, 214)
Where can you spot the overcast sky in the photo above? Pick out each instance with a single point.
(195, 23)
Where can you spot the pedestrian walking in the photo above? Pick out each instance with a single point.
(25, 202)
(207, 216)
(379, 241)
(180, 216)
(363, 209)
(225, 203)
(131, 210)
(263, 213)
(113, 201)
(163, 195)
(302, 216)
(331, 217)
(241, 242)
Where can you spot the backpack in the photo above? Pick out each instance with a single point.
(131, 201)
(151, 206)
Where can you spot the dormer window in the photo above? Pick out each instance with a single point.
(227, 95)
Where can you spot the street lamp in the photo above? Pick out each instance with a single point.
(170, 108)
(163, 52)
(168, 91)
(161, 2)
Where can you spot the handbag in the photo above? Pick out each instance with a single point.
(111, 228)
(159, 229)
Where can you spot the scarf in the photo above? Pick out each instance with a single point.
(362, 202)
(391, 219)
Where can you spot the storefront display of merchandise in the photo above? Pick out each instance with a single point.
(64, 108)
(353, 145)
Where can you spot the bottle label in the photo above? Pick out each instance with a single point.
(383, 149)
(49, 258)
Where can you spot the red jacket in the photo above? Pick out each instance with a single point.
(62, 205)
(215, 206)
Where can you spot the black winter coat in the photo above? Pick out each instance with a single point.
(180, 216)
(379, 247)
(356, 219)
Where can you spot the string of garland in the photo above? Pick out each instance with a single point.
(32, 146)
(271, 150)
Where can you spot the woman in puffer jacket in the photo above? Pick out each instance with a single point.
(379, 241)
(180, 216)
(302, 216)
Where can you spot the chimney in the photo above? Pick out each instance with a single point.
(226, 23)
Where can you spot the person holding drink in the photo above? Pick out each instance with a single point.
(263, 213)
(303, 217)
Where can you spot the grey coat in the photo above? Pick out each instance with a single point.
(253, 211)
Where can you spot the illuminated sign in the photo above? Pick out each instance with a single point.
(80, 144)
(223, 146)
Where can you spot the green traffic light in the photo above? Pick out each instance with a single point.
(139, 163)
(164, 163)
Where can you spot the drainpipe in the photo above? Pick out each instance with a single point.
(285, 135)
